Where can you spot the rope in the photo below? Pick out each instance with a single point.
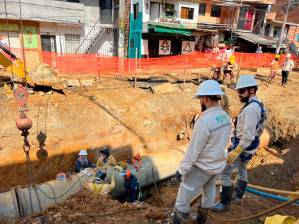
(63, 194)
(8, 36)
(225, 219)
(23, 50)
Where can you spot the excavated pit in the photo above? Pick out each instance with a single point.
(129, 120)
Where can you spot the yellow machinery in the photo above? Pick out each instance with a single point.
(12, 64)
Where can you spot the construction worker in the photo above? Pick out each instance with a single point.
(105, 159)
(274, 68)
(228, 68)
(287, 66)
(131, 186)
(259, 50)
(82, 162)
(205, 157)
(248, 126)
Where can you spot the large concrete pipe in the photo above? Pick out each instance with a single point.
(266, 137)
(8, 205)
(155, 167)
(39, 197)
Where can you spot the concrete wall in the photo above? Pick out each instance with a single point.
(44, 10)
(91, 10)
(177, 7)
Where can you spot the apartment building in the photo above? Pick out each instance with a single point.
(172, 27)
(63, 26)
(274, 25)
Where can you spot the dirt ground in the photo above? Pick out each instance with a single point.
(130, 120)
(85, 207)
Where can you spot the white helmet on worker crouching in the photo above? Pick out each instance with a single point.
(209, 88)
(82, 153)
(246, 81)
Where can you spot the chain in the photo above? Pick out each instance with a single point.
(26, 148)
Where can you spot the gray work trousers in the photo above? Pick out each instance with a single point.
(192, 183)
(225, 176)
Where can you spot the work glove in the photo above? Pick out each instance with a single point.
(178, 176)
(233, 155)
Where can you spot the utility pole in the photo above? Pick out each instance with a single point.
(283, 27)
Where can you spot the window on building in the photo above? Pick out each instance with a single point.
(48, 43)
(215, 11)
(169, 10)
(187, 13)
(106, 15)
(202, 9)
(154, 11)
(245, 18)
(276, 32)
(72, 42)
(76, 1)
(136, 10)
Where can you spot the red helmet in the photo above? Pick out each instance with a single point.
(128, 174)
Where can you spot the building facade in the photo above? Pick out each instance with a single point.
(159, 28)
(63, 26)
(275, 22)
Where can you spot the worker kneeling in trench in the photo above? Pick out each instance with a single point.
(100, 184)
(205, 157)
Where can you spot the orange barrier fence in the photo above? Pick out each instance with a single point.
(97, 64)
(108, 65)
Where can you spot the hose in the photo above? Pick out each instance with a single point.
(271, 190)
(267, 195)
(225, 219)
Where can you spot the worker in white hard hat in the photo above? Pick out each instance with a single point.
(287, 67)
(82, 161)
(206, 155)
(248, 126)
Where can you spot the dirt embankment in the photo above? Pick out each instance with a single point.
(126, 119)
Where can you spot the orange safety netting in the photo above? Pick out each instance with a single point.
(109, 65)
(97, 64)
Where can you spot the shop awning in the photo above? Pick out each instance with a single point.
(173, 28)
(257, 39)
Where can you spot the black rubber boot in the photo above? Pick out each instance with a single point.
(202, 215)
(179, 217)
(240, 191)
(225, 198)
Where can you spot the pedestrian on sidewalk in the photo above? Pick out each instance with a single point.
(287, 67)
(206, 155)
(248, 127)
(274, 68)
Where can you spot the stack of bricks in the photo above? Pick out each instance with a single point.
(293, 35)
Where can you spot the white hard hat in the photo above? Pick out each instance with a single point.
(288, 55)
(82, 153)
(209, 88)
(246, 81)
